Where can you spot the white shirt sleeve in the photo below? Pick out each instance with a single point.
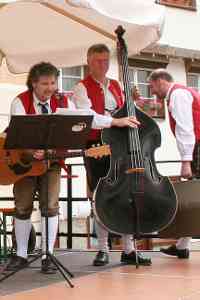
(17, 107)
(71, 105)
(81, 101)
(80, 97)
(180, 107)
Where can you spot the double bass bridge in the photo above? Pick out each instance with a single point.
(134, 170)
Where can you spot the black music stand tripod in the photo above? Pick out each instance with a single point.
(47, 132)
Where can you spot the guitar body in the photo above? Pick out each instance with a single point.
(17, 164)
(12, 168)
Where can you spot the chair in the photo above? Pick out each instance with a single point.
(5, 212)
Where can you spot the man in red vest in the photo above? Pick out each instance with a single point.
(38, 98)
(184, 115)
(104, 96)
(41, 98)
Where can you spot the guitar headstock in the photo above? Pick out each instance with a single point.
(98, 151)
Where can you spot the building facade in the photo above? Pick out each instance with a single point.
(178, 50)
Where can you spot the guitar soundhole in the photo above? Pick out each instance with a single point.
(19, 169)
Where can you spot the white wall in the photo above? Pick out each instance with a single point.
(7, 93)
(176, 67)
(181, 28)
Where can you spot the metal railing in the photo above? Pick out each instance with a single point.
(70, 200)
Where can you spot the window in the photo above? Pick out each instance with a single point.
(187, 4)
(139, 77)
(193, 81)
(69, 77)
(148, 103)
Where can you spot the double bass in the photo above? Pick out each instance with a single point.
(134, 197)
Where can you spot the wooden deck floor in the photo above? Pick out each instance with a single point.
(167, 279)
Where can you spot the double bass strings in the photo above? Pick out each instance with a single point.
(136, 152)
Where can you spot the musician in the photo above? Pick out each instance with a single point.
(104, 96)
(184, 115)
(37, 99)
(40, 97)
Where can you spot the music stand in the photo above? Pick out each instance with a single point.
(48, 132)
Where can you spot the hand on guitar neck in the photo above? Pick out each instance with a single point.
(39, 154)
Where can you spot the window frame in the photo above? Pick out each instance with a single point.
(135, 77)
(157, 111)
(61, 77)
(194, 74)
(192, 7)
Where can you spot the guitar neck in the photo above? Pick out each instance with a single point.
(65, 154)
(95, 152)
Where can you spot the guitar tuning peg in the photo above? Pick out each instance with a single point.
(98, 145)
(93, 145)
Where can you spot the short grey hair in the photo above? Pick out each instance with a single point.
(160, 74)
(97, 48)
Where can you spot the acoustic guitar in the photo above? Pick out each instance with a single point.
(16, 164)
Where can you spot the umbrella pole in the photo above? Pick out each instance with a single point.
(79, 20)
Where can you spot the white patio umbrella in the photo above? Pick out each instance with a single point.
(60, 31)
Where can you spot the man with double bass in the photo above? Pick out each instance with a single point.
(184, 116)
(104, 96)
(41, 98)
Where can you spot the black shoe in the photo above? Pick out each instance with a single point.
(173, 251)
(130, 259)
(48, 267)
(15, 263)
(101, 259)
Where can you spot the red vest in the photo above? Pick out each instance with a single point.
(55, 101)
(96, 96)
(27, 101)
(195, 109)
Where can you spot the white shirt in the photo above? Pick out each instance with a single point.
(17, 107)
(180, 106)
(99, 121)
(81, 100)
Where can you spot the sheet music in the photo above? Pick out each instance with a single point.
(73, 112)
(99, 121)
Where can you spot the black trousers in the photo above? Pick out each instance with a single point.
(196, 161)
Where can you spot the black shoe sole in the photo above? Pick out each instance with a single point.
(175, 255)
(183, 257)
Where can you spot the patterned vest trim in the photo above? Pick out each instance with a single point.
(96, 96)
